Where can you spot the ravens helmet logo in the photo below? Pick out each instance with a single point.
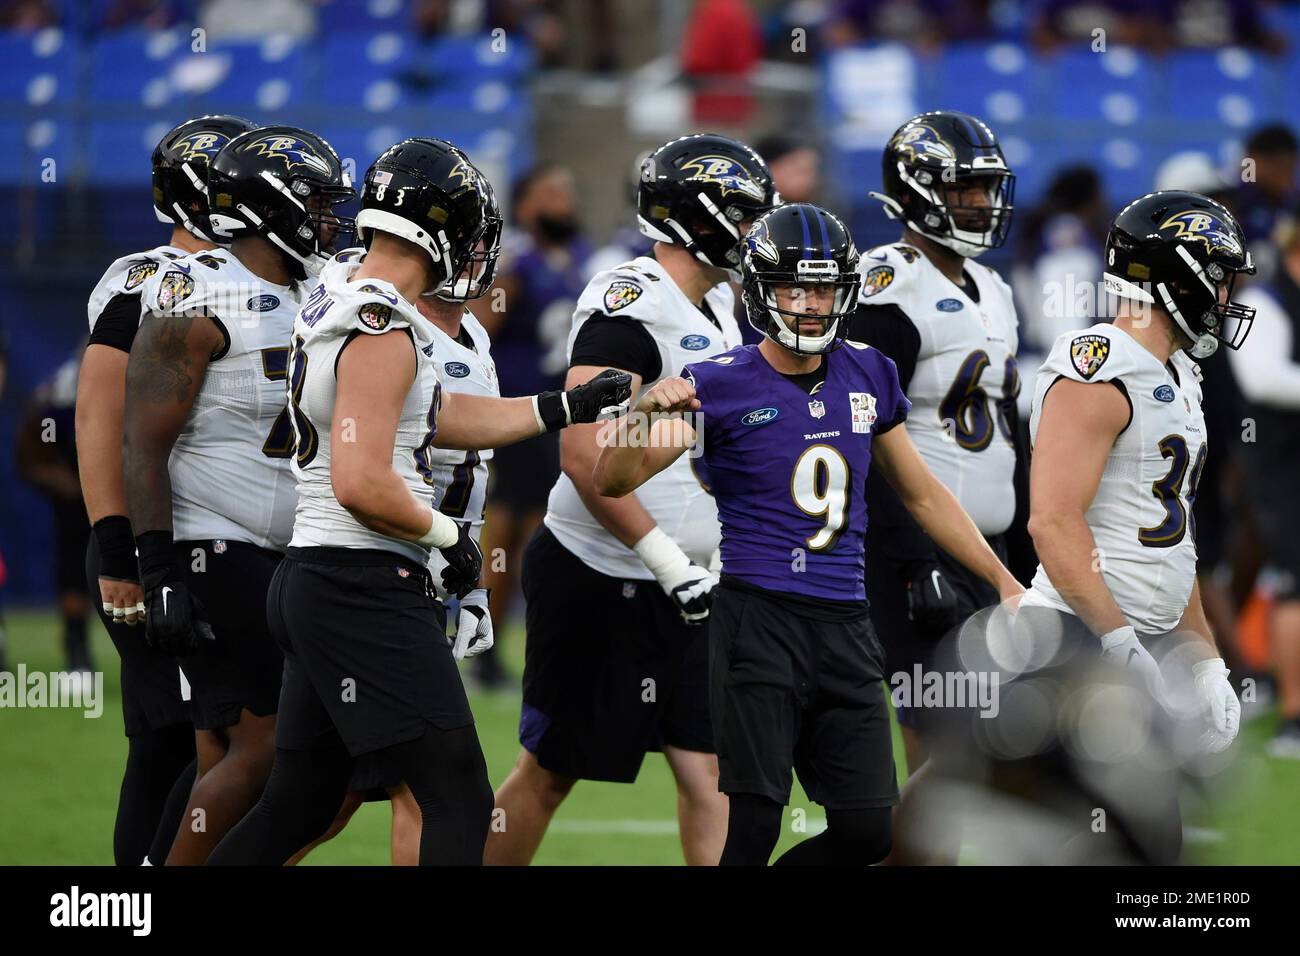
(922, 142)
(292, 150)
(725, 173)
(202, 146)
(1201, 226)
(761, 244)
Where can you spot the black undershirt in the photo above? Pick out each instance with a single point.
(617, 342)
(118, 323)
(808, 381)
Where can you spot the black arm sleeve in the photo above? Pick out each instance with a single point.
(887, 327)
(617, 342)
(118, 323)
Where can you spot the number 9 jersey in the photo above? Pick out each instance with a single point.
(1141, 516)
(337, 311)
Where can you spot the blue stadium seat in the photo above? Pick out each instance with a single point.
(991, 81)
(134, 67)
(362, 15)
(1115, 87)
(357, 67)
(25, 146)
(39, 69)
(1232, 86)
(254, 77)
(119, 151)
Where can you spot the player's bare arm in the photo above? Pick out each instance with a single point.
(375, 373)
(164, 372)
(101, 398)
(624, 464)
(937, 510)
(481, 421)
(1078, 426)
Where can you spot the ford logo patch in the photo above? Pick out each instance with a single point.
(949, 305)
(695, 342)
(456, 369)
(759, 416)
(1164, 393)
(263, 303)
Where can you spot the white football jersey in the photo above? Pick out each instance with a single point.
(230, 465)
(460, 478)
(643, 291)
(128, 275)
(336, 311)
(965, 367)
(1141, 516)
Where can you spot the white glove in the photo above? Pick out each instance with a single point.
(1221, 700)
(1121, 646)
(473, 626)
(688, 584)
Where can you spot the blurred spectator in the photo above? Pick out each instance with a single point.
(796, 166)
(27, 15)
(46, 456)
(1271, 154)
(257, 19)
(1058, 264)
(927, 24)
(1192, 170)
(528, 313)
(1267, 368)
(543, 22)
(721, 47)
(147, 14)
(1154, 24)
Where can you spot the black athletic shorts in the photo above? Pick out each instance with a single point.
(366, 658)
(523, 474)
(907, 644)
(793, 691)
(241, 669)
(611, 669)
(151, 680)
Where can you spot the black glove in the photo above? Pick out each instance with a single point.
(584, 403)
(464, 564)
(931, 601)
(175, 620)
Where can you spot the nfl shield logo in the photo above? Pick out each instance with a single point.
(403, 573)
(629, 589)
(817, 409)
(218, 547)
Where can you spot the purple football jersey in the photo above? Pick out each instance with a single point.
(788, 469)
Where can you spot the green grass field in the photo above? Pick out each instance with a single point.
(59, 774)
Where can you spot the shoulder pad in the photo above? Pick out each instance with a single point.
(174, 289)
(1095, 354)
(885, 273)
(622, 291)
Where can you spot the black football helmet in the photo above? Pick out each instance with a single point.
(1181, 251)
(283, 184)
(799, 245)
(426, 191)
(941, 150)
(180, 160)
(696, 191)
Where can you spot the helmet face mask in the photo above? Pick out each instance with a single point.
(285, 185)
(699, 192)
(427, 192)
(1182, 252)
(933, 166)
(795, 256)
(180, 162)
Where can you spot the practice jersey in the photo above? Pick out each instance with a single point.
(127, 276)
(641, 290)
(965, 372)
(337, 311)
(229, 466)
(460, 478)
(1140, 517)
(788, 468)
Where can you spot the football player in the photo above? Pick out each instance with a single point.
(207, 440)
(615, 662)
(786, 431)
(353, 602)
(950, 326)
(1119, 444)
(160, 737)
(462, 349)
